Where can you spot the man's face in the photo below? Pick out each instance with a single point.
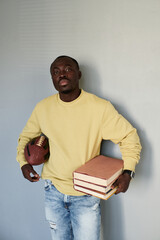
(65, 75)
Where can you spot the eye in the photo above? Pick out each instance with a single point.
(55, 71)
(68, 69)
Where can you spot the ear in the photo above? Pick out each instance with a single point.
(80, 74)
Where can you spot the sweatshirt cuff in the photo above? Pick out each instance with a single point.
(129, 164)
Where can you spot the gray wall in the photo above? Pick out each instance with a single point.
(117, 43)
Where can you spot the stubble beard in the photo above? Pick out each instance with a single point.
(66, 91)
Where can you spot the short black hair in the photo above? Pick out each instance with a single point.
(65, 56)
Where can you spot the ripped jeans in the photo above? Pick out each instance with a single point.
(72, 217)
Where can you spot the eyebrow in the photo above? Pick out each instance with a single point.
(67, 65)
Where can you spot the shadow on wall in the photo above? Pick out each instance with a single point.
(113, 224)
(90, 80)
(112, 209)
(112, 227)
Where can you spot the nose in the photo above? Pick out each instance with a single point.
(62, 73)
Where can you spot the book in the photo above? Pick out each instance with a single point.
(100, 170)
(92, 186)
(103, 196)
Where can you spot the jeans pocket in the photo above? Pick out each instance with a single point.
(87, 196)
(47, 185)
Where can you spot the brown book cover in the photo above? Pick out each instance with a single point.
(100, 170)
(102, 189)
(103, 196)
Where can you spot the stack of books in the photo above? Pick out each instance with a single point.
(96, 177)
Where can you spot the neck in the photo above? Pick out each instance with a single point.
(69, 96)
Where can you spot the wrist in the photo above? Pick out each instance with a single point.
(129, 172)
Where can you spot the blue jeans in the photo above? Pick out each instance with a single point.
(72, 217)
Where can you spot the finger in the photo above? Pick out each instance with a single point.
(34, 176)
(118, 191)
(120, 186)
(31, 175)
(28, 176)
(35, 179)
(115, 184)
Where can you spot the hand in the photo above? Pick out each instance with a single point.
(122, 183)
(27, 170)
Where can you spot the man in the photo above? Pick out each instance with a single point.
(75, 123)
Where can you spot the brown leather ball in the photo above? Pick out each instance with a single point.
(37, 150)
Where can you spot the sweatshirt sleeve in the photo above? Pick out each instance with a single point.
(118, 130)
(31, 130)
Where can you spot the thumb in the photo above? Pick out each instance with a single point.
(34, 176)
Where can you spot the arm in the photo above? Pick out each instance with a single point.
(117, 129)
(31, 130)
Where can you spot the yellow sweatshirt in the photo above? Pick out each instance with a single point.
(75, 131)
